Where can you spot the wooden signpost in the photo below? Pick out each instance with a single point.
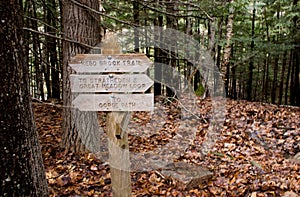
(112, 80)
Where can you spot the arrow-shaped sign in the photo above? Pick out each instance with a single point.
(114, 102)
(99, 63)
(110, 83)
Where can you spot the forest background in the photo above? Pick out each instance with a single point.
(255, 44)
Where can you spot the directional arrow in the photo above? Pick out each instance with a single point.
(114, 102)
(99, 63)
(110, 83)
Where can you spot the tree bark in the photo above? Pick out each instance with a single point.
(158, 53)
(297, 81)
(225, 65)
(22, 171)
(251, 64)
(288, 78)
(233, 83)
(51, 15)
(296, 56)
(275, 76)
(36, 49)
(80, 129)
(292, 82)
(46, 66)
(171, 56)
(266, 63)
(136, 20)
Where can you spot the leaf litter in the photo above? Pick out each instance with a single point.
(257, 154)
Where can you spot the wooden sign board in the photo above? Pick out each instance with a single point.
(114, 102)
(110, 83)
(99, 63)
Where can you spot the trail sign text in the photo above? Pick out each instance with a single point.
(99, 63)
(114, 102)
(110, 83)
(110, 78)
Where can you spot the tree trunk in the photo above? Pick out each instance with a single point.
(251, 64)
(55, 70)
(136, 20)
(292, 82)
(296, 56)
(21, 168)
(158, 58)
(171, 60)
(284, 62)
(266, 63)
(233, 93)
(225, 65)
(80, 129)
(46, 56)
(288, 79)
(275, 73)
(36, 53)
(297, 73)
(219, 47)
(274, 84)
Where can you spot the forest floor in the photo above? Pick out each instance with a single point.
(257, 152)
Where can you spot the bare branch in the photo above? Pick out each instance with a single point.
(197, 6)
(102, 14)
(174, 14)
(244, 59)
(60, 38)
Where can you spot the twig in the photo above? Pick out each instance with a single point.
(180, 103)
(51, 104)
(172, 14)
(65, 172)
(60, 38)
(102, 14)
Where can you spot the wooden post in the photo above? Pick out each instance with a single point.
(119, 159)
(118, 146)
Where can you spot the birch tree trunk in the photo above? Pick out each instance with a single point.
(225, 65)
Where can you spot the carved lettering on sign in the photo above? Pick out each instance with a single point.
(99, 63)
(111, 62)
(114, 102)
(110, 83)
